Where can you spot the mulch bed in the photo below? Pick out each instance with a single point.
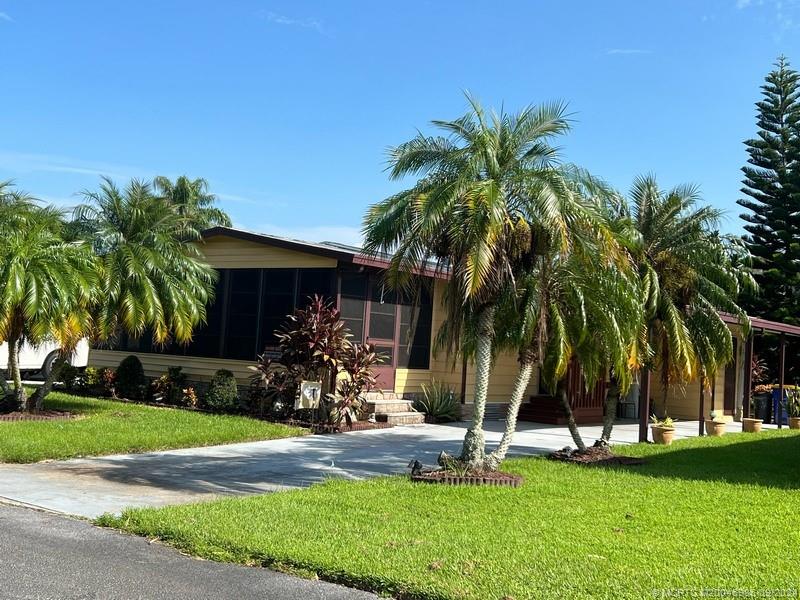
(594, 456)
(45, 415)
(495, 478)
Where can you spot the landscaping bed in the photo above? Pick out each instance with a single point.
(44, 415)
(602, 456)
(97, 427)
(700, 514)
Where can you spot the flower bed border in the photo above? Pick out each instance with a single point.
(17, 417)
(492, 479)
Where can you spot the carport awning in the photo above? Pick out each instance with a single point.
(764, 325)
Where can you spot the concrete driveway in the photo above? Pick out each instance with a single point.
(89, 487)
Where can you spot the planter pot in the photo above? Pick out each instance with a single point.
(794, 422)
(751, 425)
(663, 435)
(715, 428)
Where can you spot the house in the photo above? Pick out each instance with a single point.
(263, 278)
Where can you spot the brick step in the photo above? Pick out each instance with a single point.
(380, 396)
(387, 407)
(401, 418)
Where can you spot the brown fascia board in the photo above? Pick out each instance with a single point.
(764, 325)
(327, 251)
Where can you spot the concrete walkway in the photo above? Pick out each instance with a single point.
(89, 487)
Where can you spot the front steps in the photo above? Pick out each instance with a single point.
(390, 408)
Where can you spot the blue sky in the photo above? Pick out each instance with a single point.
(287, 108)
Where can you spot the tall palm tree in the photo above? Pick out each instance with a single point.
(689, 274)
(491, 190)
(192, 200)
(48, 284)
(152, 275)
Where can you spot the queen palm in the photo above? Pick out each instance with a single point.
(490, 192)
(152, 273)
(192, 200)
(687, 277)
(48, 284)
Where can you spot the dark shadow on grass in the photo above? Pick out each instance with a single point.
(769, 460)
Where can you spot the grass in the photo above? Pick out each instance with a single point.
(704, 513)
(109, 427)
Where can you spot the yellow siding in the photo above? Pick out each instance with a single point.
(225, 252)
(408, 381)
(195, 368)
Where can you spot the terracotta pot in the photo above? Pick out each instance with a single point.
(794, 422)
(663, 435)
(751, 425)
(715, 428)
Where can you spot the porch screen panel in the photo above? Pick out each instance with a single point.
(416, 316)
(242, 314)
(277, 303)
(353, 303)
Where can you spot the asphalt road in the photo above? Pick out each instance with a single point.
(49, 557)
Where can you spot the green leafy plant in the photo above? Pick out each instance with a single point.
(130, 380)
(315, 346)
(666, 422)
(357, 363)
(793, 403)
(438, 401)
(169, 387)
(223, 393)
(716, 417)
(69, 376)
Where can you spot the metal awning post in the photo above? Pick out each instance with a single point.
(748, 376)
(644, 403)
(702, 415)
(781, 369)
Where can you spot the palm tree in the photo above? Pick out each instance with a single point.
(490, 192)
(152, 273)
(192, 200)
(689, 273)
(48, 284)
(581, 305)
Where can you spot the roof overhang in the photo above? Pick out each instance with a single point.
(329, 251)
(764, 325)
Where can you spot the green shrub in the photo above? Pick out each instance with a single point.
(130, 382)
(438, 402)
(69, 376)
(222, 394)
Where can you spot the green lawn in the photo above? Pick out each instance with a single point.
(109, 427)
(705, 513)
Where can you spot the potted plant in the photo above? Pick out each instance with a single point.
(663, 430)
(793, 408)
(715, 424)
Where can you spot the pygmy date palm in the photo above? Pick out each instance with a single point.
(687, 277)
(153, 276)
(192, 201)
(48, 284)
(490, 192)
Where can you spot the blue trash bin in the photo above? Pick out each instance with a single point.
(784, 412)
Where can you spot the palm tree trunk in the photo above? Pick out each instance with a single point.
(561, 392)
(492, 462)
(13, 368)
(610, 413)
(474, 448)
(36, 402)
